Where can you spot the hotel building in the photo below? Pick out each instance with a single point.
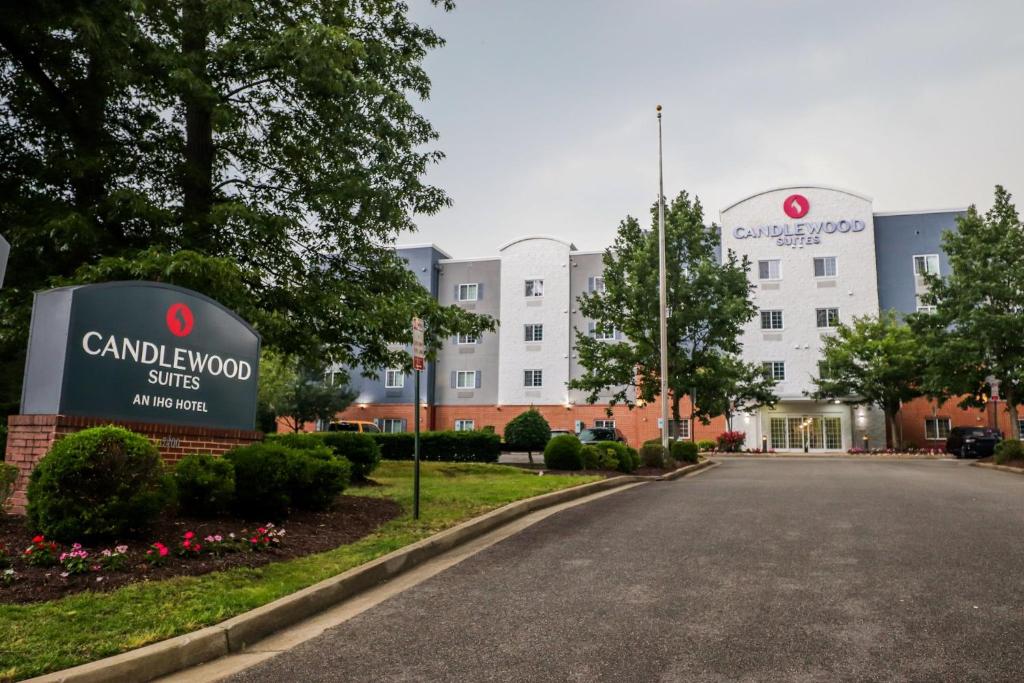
(819, 255)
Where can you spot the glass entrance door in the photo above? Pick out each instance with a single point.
(818, 433)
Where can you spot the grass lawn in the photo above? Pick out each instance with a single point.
(42, 637)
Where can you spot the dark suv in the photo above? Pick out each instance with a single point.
(595, 434)
(972, 442)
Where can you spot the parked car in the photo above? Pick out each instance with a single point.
(972, 442)
(595, 434)
(560, 432)
(353, 426)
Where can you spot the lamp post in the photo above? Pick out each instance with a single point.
(662, 294)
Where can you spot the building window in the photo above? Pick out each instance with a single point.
(534, 288)
(603, 334)
(597, 284)
(466, 339)
(390, 425)
(465, 379)
(394, 379)
(679, 429)
(468, 292)
(769, 270)
(534, 332)
(936, 428)
(604, 424)
(926, 263)
(465, 425)
(825, 266)
(533, 378)
(925, 308)
(827, 317)
(824, 370)
(833, 433)
(771, 320)
(776, 368)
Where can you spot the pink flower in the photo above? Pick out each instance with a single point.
(189, 535)
(37, 539)
(163, 551)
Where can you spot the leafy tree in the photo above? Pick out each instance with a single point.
(876, 361)
(312, 396)
(977, 329)
(709, 302)
(528, 431)
(266, 154)
(278, 378)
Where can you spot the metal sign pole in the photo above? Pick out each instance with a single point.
(416, 452)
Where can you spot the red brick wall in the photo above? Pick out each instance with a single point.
(638, 425)
(913, 415)
(29, 438)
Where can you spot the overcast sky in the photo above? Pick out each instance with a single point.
(546, 108)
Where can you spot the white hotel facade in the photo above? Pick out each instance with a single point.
(819, 255)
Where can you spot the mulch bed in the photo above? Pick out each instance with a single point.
(351, 518)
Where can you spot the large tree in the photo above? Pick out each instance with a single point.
(976, 331)
(709, 301)
(875, 360)
(267, 154)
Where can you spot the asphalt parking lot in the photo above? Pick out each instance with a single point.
(757, 570)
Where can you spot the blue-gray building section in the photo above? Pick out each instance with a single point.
(898, 239)
(422, 261)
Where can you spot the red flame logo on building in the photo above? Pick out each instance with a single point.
(796, 206)
(180, 320)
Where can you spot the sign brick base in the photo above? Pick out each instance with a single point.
(29, 438)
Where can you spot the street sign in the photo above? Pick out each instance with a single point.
(993, 384)
(419, 349)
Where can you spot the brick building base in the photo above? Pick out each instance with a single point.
(29, 438)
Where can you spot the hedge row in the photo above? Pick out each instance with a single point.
(359, 449)
(449, 446)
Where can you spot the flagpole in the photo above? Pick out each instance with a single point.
(662, 293)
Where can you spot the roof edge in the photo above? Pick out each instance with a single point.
(798, 186)
(572, 247)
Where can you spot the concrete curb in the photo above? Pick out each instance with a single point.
(235, 634)
(683, 471)
(1001, 468)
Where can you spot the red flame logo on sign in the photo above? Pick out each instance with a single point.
(179, 320)
(796, 206)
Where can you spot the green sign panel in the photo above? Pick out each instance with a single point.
(141, 351)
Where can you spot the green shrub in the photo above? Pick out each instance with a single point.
(528, 432)
(563, 453)
(205, 485)
(359, 449)
(608, 458)
(395, 446)
(633, 456)
(8, 478)
(261, 480)
(316, 477)
(685, 451)
(105, 482)
(446, 446)
(653, 455)
(706, 445)
(1008, 451)
(591, 457)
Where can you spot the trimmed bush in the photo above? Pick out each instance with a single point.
(685, 451)
(1008, 451)
(316, 477)
(653, 455)
(528, 432)
(591, 457)
(105, 482)
(261, 480)
(563, 453)
(608, 458)
(628, 459)
(731, 442)
(706, 445)
(205, 485)
(446, 446)
(359, 449)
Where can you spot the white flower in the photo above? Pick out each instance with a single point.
(64, 575)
